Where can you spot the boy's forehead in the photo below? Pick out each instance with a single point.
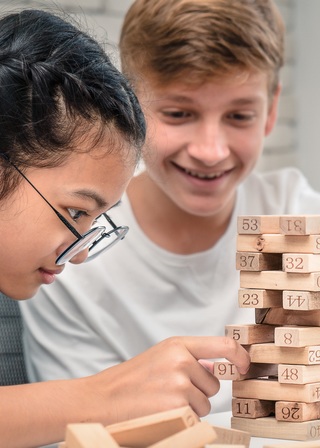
(180, 90)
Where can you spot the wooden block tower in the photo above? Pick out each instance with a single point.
(279, 262)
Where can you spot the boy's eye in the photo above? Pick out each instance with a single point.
(241, 116)
(176, 114)
(76, 214)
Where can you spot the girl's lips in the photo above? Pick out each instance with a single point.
(48, 276)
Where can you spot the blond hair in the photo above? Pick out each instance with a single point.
(198, 40)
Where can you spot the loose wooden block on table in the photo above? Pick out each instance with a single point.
(290, 411)
(299, 262)
(145, 431)
(313, 444)
(257, 224)
(271, 428)
(299, 300)
(281, 316)
(257, 261)
(225, 370)
(298, 374)
(299, 225)
(231, 436)
(252, 407)
(89, 435)
(250, 333)
(293, 336)
(280, 280)
(259, 298)
(195, 436)
(272, 354)
(274, 243)
(275, 391)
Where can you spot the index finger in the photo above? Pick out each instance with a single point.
(208, 347)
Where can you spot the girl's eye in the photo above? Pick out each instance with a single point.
(76, 214)
(176, 114)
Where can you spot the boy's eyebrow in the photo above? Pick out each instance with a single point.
(236, 101)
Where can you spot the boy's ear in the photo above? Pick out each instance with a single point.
(273, 111)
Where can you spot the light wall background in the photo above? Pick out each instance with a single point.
(295, 140)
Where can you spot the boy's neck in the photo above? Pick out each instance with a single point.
(169, 226)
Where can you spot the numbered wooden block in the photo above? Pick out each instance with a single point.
(273, 354)
(299, 263)
(195, 436)
(250, 333)
(271, 428)
(289, 411)
(225, 370)
(259, 298)
(234, 437)
(257, 261)
(300, 225)
(280, 316)
(298, 374)
(89, 435)
(252, 408)
(280, 280)
(291, 336)
(300, 300)
(144, 431)
(275, 391)
(279, 243)
(257, 224)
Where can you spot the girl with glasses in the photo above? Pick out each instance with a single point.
(71, 131)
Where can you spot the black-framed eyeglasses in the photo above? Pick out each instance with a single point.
(91, 240)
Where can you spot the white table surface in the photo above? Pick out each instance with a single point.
(224, 419)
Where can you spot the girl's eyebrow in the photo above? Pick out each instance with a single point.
(93, 195)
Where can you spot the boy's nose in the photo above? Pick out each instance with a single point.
(209, 145)
(80, 257)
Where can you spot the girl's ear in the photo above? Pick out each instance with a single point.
(273, 111)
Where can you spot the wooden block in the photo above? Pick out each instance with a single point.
(257, 261)
(273, 390)
(250, 333)
(290, 411)
(300, 300)
(298, 374)
(292, 336)
(234, 437)
(298, 262)
(300, 225)
(89, 435)
(271, 428)
(280, 280)
(257, 224)
(259, 298)
(279, 243)
(270, 353)
(280, 316)
(313, 444)
(144, 431)
(195, 436)
(225, 370)
(219, 445)
(252, 408)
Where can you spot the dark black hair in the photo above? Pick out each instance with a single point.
(53, 77)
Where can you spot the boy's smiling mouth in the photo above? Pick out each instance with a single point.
(201, 175)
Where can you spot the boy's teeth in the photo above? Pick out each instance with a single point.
(202, 175)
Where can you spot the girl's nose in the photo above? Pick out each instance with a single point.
(80, 257)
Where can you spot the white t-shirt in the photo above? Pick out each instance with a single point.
(110, 309)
